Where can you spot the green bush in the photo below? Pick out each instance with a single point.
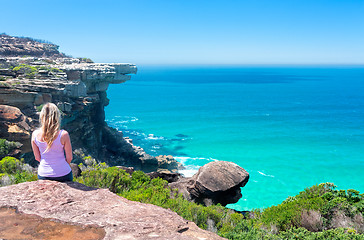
(55, 70)
(7, 146)
(25, 177)
(13, 171)
(39, 108)
(27, 70)
(322, 198)
(86, 60)
(10, 165)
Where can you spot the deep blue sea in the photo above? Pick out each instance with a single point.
(289, 127)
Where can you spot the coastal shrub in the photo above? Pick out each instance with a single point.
(86, 60)
(2, 78)
(10, 165)
(27, 70)
(24, 176)
(39, 108)
(55, 70)
(51, 69)
(332, 234)
(7, 146)
(4, 84)
(288, 214)
(113, 178)
(322, 198)
(89, 163)
(13, 171)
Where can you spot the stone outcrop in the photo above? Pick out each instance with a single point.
(14, 125)
(215, 182)
(74, 204)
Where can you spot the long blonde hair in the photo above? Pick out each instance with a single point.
(50, 119)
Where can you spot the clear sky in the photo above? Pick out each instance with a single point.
(195, 31)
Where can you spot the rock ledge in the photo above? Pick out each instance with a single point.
(74, 203)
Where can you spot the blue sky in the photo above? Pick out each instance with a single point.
(195, 32)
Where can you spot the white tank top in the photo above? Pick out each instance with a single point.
(53, 162)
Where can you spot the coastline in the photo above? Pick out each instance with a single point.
(288, 134)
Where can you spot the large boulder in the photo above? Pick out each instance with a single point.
(215, 182)
(15, 126)
(98, 210)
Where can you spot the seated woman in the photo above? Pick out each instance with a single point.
(50, 144)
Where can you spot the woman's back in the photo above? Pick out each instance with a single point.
(52, 160)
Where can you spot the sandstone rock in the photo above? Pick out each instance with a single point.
(76, 204)
(14, 126)
(15, 225)
(10, 114)
(98, 76)
(215, 182)
(168, 162)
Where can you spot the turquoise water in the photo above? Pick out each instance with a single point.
(289, 127)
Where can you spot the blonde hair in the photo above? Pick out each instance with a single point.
(50, 119)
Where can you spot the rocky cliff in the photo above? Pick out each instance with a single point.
(79, 91)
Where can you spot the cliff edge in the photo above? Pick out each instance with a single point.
(78, 87)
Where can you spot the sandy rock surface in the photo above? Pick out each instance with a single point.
(77, 204)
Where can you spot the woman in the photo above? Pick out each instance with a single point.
(50, 144)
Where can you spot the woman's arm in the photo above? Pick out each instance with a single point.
(35, 148)
(66, 142)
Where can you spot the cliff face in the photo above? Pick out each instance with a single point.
(79, 91)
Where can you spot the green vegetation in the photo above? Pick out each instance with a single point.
(2, 78)
(7, 146)
(3, 84)
(39, 108)
(13, 171)
(27, 70)
(286, 218)
(51, 69)
(322, 198)
(86, 60)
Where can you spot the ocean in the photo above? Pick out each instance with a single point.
(290, 127)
